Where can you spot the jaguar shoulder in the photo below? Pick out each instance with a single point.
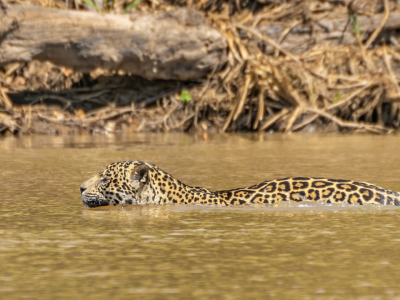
(137, 182)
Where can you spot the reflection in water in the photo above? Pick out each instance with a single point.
(51, 247)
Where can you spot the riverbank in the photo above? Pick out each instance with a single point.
(291, 66)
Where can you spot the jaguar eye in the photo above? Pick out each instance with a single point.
(104, 180)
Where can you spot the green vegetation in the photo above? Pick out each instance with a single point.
(133, 5)
(92, 4)
(356, 25)
(185, 96)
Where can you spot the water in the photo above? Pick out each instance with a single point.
(51, 247)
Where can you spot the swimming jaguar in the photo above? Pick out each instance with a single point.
(137, 182)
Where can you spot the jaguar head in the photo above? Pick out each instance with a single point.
(120, 183)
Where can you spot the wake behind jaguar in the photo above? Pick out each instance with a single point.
(137, 182)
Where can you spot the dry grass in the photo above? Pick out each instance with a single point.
(329, 87)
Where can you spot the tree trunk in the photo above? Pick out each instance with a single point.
(178, 44)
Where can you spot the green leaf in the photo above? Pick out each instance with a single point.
(132, 5)
(91, 3)
(355, 24)
(185, 96)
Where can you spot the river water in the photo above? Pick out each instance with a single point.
(51, 247)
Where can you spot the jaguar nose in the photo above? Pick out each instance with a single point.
(82, 190)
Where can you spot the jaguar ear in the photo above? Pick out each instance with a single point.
(140, 175)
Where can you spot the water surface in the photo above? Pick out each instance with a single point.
(51, 247)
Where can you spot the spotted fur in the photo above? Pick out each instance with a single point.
(136, 182)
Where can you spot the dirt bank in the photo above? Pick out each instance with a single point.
(291, 66)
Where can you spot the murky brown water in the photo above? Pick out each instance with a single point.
(53, 248)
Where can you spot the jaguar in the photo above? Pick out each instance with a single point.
(137, 182)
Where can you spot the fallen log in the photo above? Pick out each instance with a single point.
(178, 44)
(328, 32)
